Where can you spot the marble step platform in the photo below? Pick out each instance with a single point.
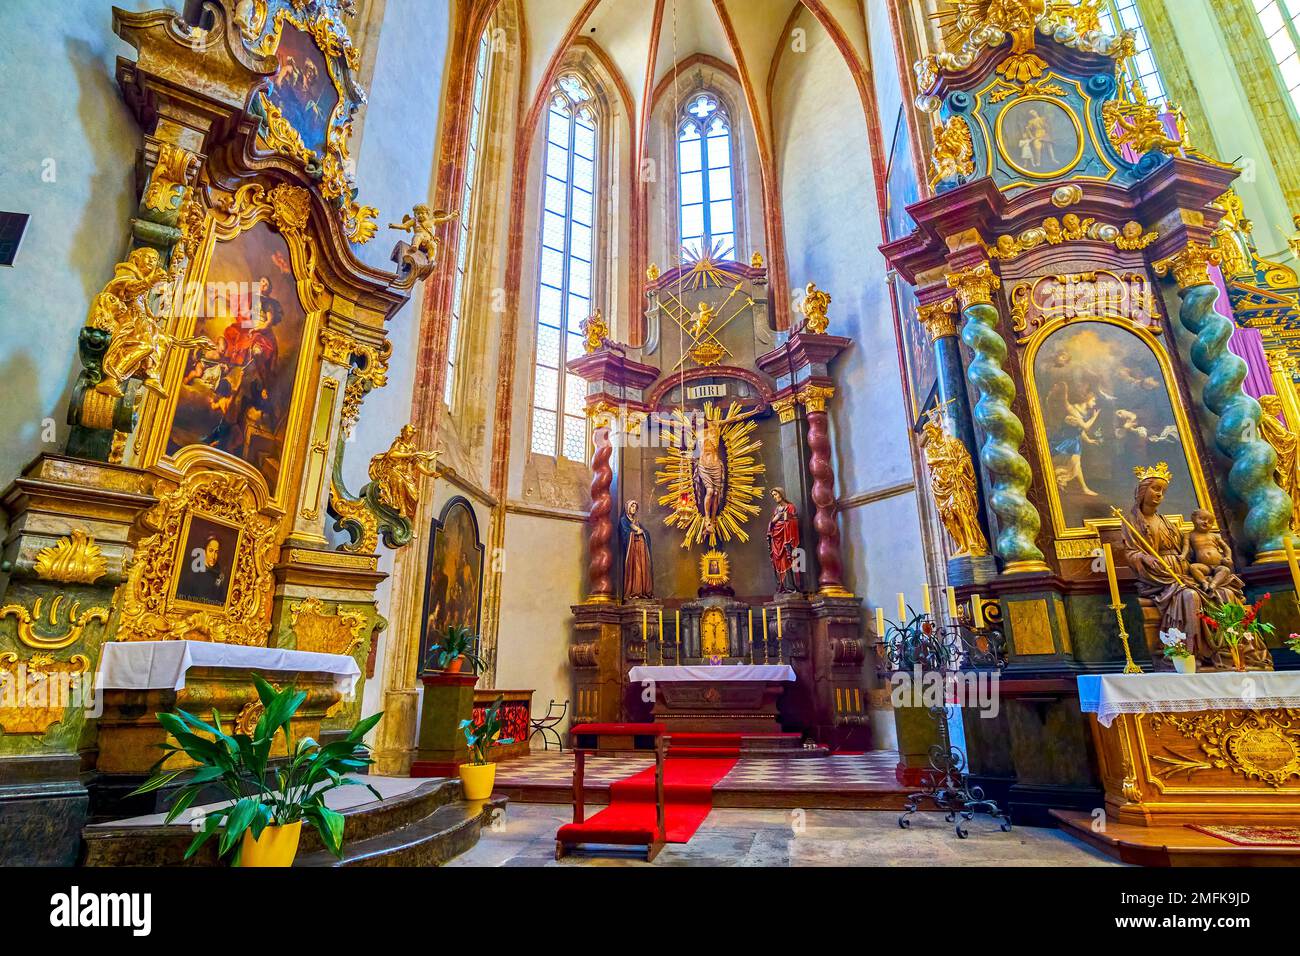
(419, 822)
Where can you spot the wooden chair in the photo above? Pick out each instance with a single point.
(590, 738)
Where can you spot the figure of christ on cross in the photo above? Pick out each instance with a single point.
(710, 470)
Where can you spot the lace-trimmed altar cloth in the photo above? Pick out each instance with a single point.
(1107, 695)
(162, 665)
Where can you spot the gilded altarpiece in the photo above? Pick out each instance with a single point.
(221, 368)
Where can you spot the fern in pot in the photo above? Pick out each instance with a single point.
(268, 803)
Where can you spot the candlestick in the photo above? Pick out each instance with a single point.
(977, 611)
(643, 635)
(780, 635)
(679, 635)
(1129, 667)
(751, 635)
(925, 598)
(764, 633)
(952, 604)
(902, 609)
(1110, 575)
(880, 623)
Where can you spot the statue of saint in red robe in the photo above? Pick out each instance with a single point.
(783, 542)
(638, 574)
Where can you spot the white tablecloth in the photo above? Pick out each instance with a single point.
(714, 673)
(1107, 695)
(161, 665)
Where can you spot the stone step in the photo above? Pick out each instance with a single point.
(443, 835)
(122, 844)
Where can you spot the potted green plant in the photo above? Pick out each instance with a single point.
(1232, 623)
(268, 802)
(478, 776)
(1175, 642)
(456, 646)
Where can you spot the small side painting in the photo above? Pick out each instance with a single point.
(204, 563)
(236, 397)
(1104, 404)
(302, 89)
(1040, 137)
(454, 585)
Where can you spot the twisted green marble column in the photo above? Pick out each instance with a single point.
(1268, 514)
(1008, 473)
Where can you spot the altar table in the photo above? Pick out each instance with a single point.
(713, 699)
(1220, 747)
(139, 679)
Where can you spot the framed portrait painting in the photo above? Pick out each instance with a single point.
(453, 587)
(205, 562)
(1040, 137)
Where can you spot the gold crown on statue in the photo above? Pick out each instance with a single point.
(1161, 471)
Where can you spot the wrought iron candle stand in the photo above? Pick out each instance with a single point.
(923, 646)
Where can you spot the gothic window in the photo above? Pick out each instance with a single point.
(706, 188)
(1118, 16)
(1281, 22)
(565, 281)
(472, 159)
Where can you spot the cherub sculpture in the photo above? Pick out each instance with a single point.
(396, 473)
(422, 252)
(138, 342)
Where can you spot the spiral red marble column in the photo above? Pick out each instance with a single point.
(601, 556)
(831, 577)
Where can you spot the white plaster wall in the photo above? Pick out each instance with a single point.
(67, 157)
(541, 580)
(832, 227)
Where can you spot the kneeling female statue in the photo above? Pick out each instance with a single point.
(1161, 556)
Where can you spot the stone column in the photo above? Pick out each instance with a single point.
(1008, 473)
(830, 578)
(600, 554)
(1268, 514)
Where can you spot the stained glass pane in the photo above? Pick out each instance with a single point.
(719, 151)
(692, 188)
(580, 240)
(584, 173)
(582, 206)
(548, 306)
(584, 140)
(725, 245)
(573, 343)
(546, 387)
(580, 277)
(543, 432)
(552, 267)
(689, 152)
(579, 309)
(720, 217)
(575, 438)
(552, 235)
(575, 394)
(555, 191)
(720, 183)
(557, 162)
(692, 221)
(548, 346)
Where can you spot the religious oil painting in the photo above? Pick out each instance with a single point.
(454, 584)
(204, 562)
(235, 396)
(1104, 407)
(302, 89)
(1039, 137)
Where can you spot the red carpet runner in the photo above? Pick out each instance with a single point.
(695, 763)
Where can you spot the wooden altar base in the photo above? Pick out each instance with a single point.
(1169, 844)
(837, 782)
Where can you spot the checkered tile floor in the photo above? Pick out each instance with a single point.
(862, 773)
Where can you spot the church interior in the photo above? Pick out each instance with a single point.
(574, 433)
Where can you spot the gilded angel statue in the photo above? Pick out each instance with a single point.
(420, 223)
(815, 303)
(396, 473)
(952, 483)
(138, 343)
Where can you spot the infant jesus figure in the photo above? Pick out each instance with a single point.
(1209, 557)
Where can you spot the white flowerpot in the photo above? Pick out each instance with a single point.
(1185, 665)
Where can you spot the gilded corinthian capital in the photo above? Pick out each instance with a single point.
(815, 397)
(1191, 267)
(939, 319)
(975, 286)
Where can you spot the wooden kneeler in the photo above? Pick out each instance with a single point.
(604, 738)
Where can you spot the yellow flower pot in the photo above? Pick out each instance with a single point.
(476, 781)
(277, 846)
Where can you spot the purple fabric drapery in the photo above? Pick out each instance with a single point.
(1246, 343)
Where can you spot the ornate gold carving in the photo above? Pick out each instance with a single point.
(49, 633)
(1004, 91)
(756, 260)
(421, 255)
(138, 341)
(785, 409)
(715, 568)
(368, 372)
(815, 397)
(1136, 124)
(249, 715)
(35, 693)
(652, 272)
(975, 286)
(1191, 267)
(1065, 196)
(1083, 295)
(73, 560)
(713, 633)
(1071, 228)
(601, 414)
(354, 511)
(596, 330)
(172, 174)
(149, 608)
(323, 633)
(954, 152)
(814, 306)
(939, 319)
(1159, 470)
(1260, 745)
(397, 472)
(952, 484)
(1076, 549)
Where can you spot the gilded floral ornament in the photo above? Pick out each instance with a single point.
(76, 559)
(814, 306)
(171, 176)
(595, 331)
(975, 286)
(1260, 745)
(1071, 228)
(149, 608)
(815, 397)
(1136, 124)
(368, 370)
(35, 693)
(1191, 267)
(953, 157)
(939, 319)
(320, 632)
(46, 628)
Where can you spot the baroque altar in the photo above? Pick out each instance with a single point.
(713, 547)
(219, 372)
